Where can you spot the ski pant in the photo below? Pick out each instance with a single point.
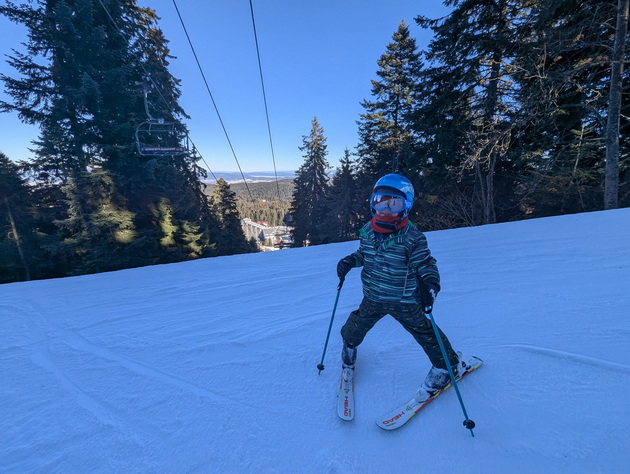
(410, 316)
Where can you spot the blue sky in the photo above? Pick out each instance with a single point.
(317, 60)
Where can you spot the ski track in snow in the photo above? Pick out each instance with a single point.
(569, 356)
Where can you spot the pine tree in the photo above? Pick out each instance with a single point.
(465, 119)
(566, 95)
(308, 205)
(344, 201)
(98, 230)
(17, 243)
(87, 66)
(233, 239)
(611, 181)
(386, 140)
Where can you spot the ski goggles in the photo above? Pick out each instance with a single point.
(394, 204)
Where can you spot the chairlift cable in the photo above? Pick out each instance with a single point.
(262, 83)
(202, 159)
(181, 20)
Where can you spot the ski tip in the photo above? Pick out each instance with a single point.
(473, 361)
(382, 426)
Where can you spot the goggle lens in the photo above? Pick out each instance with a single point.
(395, 204)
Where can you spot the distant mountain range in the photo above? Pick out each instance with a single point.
(251, 177)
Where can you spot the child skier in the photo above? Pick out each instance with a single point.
(400, 278)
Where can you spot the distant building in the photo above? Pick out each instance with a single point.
(267, 238)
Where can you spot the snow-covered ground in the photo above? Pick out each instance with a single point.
(210, 366)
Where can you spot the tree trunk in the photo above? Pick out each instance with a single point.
(611, 180)
(16, 237)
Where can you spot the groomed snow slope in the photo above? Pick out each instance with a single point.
(210, 366)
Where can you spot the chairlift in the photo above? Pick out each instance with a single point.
(156, 137)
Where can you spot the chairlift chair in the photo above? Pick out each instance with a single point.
(159, 138)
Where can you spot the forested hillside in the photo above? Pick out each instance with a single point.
(267, 201)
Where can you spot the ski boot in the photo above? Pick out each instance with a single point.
(437, 379)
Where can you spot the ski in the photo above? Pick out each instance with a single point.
(345, 397)
(405, 412)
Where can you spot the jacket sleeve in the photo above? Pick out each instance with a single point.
(358, 258)
(421, 262)
(359, 255)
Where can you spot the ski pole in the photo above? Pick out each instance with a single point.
(320, 366)
(468, 423)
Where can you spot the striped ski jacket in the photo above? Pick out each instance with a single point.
(393, 262)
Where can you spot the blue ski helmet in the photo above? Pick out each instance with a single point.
(396, 184)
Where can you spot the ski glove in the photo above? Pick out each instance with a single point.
(344, 266)
(428, 290)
